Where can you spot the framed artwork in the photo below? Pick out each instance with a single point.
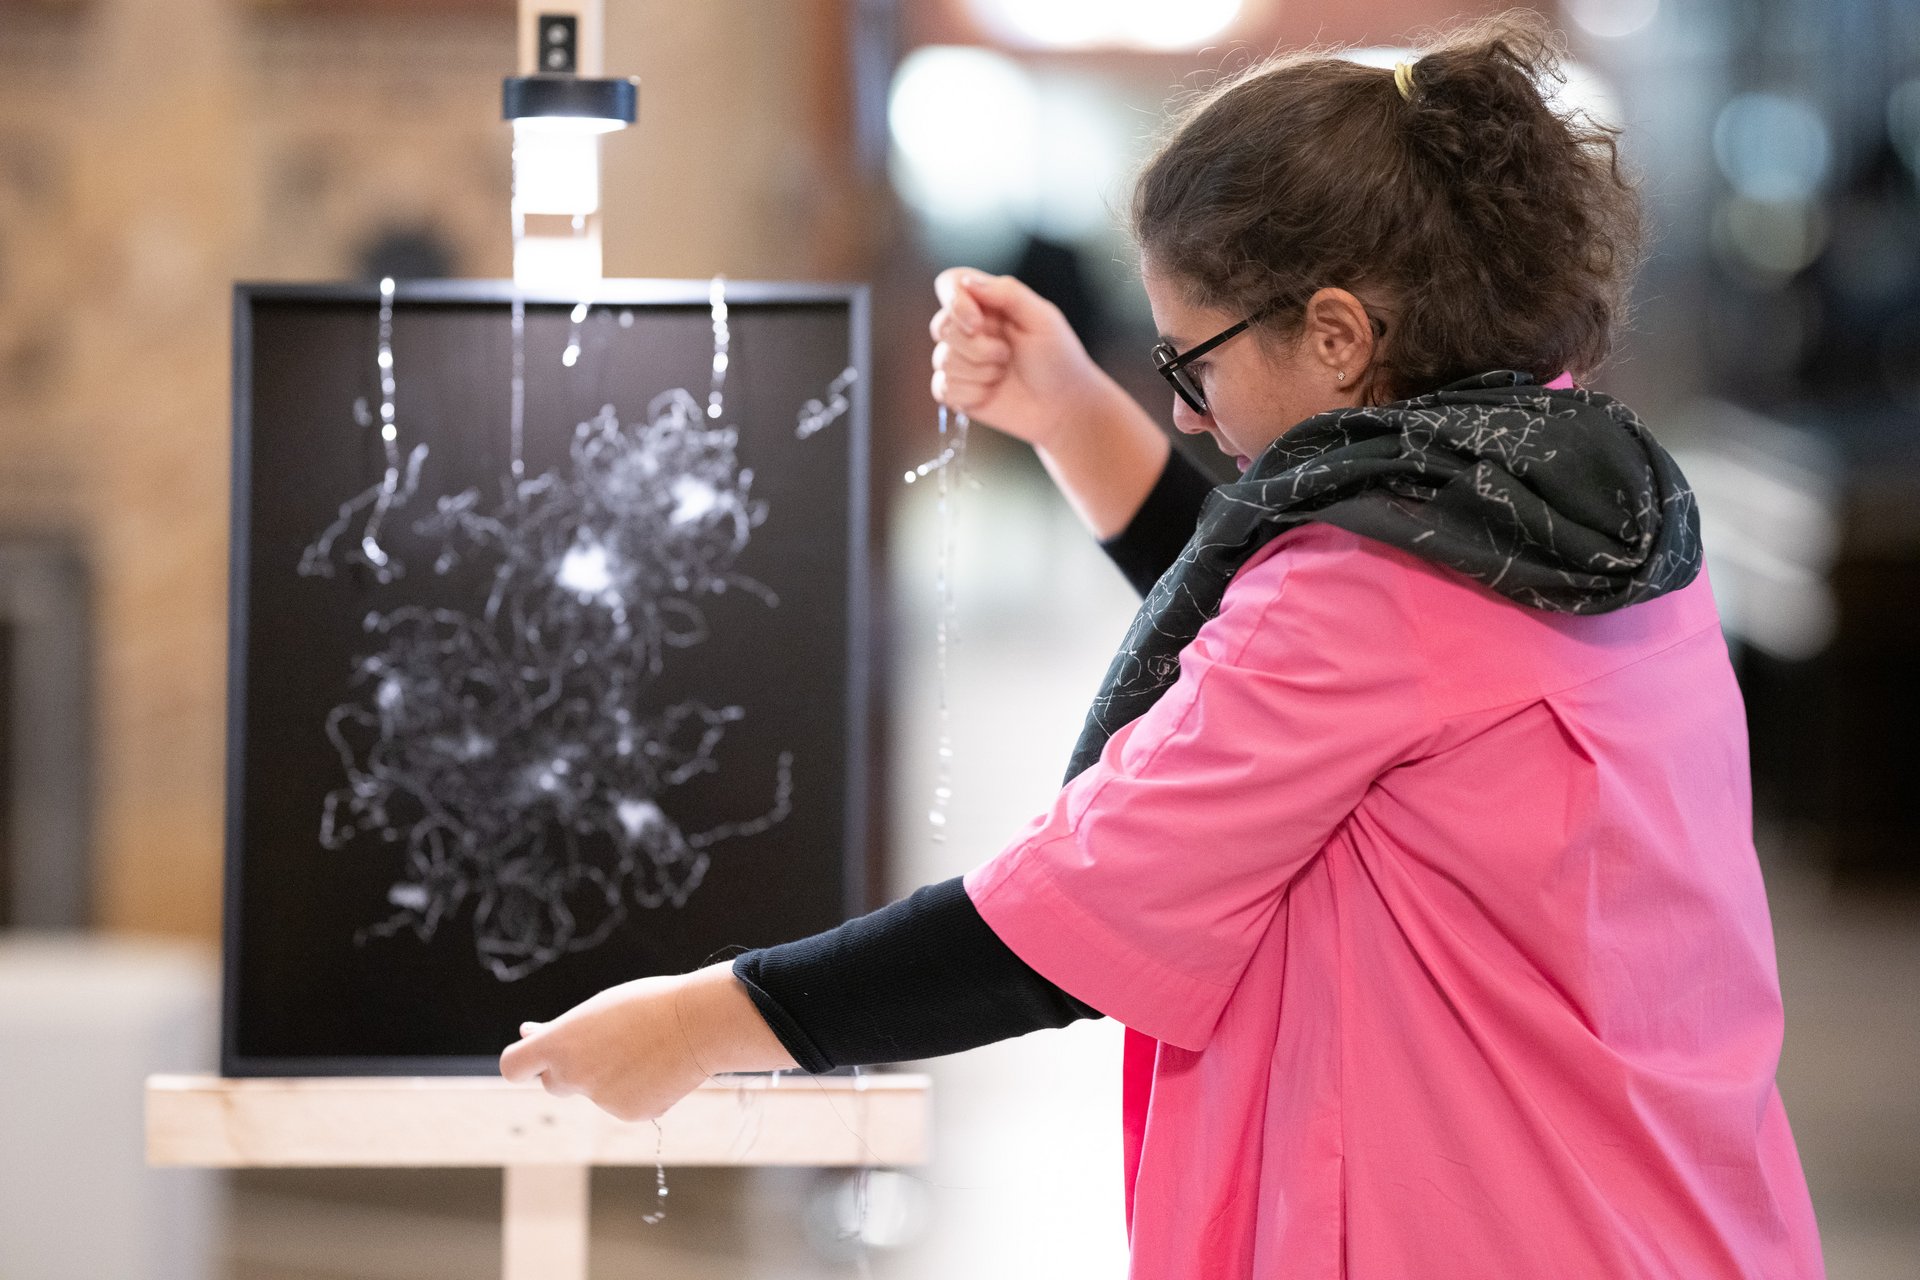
(548, 653)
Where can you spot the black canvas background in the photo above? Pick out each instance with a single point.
(302, 995)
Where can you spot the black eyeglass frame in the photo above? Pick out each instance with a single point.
(1173, 364)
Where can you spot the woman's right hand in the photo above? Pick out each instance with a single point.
(1007, 357)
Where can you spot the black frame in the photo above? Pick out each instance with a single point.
(617, 292)
(1172, 364)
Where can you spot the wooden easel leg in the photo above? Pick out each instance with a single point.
(544, 1228)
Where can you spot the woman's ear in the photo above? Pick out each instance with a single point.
(1338, 334)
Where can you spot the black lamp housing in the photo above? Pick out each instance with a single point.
(565, 97)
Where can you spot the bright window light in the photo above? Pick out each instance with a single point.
(963, 122)
(1612, 19)
(1772, 147)
(978, 139)
(1091, 24)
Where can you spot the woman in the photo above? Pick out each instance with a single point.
(1409, 832)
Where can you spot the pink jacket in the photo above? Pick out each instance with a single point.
(1438, 929)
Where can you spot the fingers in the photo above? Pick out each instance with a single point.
(524, 1060)
(528, 1062)
(965, 308)
(971, 302)
(976, 359)
(950, 284)
(965, 396)
(967, 369)
(948, 324)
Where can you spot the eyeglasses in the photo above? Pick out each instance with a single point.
(1173, 364)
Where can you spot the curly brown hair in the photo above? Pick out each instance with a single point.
(1491, 229)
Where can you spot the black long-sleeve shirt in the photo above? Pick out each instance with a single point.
(926, 975)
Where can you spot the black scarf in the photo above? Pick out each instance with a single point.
(1556, 499)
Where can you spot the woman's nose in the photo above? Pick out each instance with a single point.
(1187, 421)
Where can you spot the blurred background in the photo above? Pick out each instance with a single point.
(152, 152)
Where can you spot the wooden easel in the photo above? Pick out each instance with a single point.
(546, 1145)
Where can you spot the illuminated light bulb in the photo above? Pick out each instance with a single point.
(555, 171)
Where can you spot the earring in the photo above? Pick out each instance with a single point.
(1341, 374)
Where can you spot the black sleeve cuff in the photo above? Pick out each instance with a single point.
(1159, 530)
(923, 977)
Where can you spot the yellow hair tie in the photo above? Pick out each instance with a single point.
(1403, 79)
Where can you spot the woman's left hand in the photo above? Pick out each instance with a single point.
(624, 1049)
(636, 1049)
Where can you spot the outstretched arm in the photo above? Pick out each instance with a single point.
(917, 979)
